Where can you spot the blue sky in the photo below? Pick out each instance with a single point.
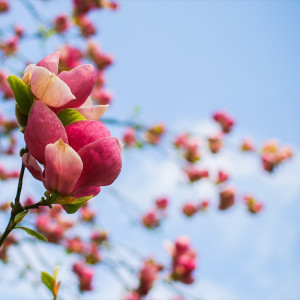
(180, 61)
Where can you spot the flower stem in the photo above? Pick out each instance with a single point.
(16, 208)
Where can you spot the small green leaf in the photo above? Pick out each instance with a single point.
(19, 217)
(55, 272)
(76, 204)
(69, 115)
(48, 280)
(33, 233)
(22, 92)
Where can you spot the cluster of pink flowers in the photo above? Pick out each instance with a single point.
(225, 121)
(189, 147)
(183, 260)
(85, 276)
(51, 222)
(147, 276)
(154, 216)
(61, 23)
(190, 209)
(79, 157)
(272, 155)
(154, 134)
(195, 173)
(82, 7)
(102, 61)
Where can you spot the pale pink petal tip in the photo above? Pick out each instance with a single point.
(94, 112)
(50, 62)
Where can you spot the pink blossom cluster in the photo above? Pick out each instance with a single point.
(183, 260)
(154, 134)
(273, 155)
(188, 146)
(85, 276)
(190, 209)
(147, 276)
(102, 61)
(154, 216)
(61, 23)
(225, 121)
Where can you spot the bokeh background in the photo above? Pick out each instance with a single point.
(177, 62)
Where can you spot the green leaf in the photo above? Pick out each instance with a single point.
(55, 272)
(76, 204)
(19, 217)
(22, 92)
(33, 233)
(69, 115)
(48, 280)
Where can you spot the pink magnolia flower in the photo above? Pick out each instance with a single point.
(78, 159)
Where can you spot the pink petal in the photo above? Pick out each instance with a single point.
(50, 62)
(49, 88)
(88, 191)
(94, 112)
(43, 128)
(31, 164)
(102, 163)
(63, 168)
(81, 81)
(82, 133)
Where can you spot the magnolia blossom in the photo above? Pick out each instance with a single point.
(78, 159)
(68, 89)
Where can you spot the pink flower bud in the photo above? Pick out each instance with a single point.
(215, 143)
(61, 23)
(225, 121)
(4, 6)
(189, 209)
(247, 145)
(227, 197)
(162, 203)
(222, 177)
(129, 137)
(150, 219)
